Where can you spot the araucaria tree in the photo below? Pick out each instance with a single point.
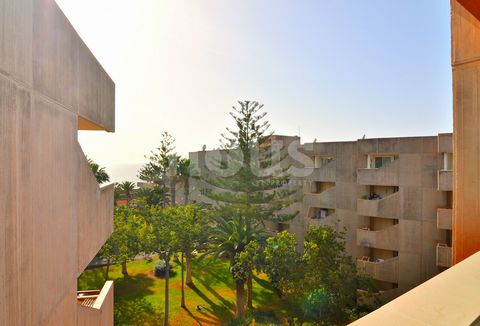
(161, 169)
(251, 186)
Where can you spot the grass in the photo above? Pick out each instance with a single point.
(139, 298)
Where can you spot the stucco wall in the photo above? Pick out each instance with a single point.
(466, 69)
(48, 80)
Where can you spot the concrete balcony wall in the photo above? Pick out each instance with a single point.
(324, 174)
(445, 180)
(444, 218)
(330, 220)
(65, 70)
(384, 176)
(325, 199)
(101, 313)
(49, 84)
(383, 239)
(466, 117)
(444, 256)
(445, 143)
(386, 270)
(95, 211)
(388, 207)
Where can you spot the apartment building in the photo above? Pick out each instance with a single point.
(54, 216)
(392, 196)
(451, 297)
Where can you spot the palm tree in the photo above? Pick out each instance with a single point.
(183, 171)
(229, 238)
(127, 189)
(117, 194)
(99, 173)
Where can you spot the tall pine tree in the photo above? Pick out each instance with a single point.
(252, 183)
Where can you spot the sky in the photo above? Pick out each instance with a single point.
(330, 70)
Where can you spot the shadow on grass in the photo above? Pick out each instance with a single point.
(198, 320)
(212, 271)
(215, 309)
(93, 279)
(138, 285)
(137, 311)
(263, 283)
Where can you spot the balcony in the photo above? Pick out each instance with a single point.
(382, 239)
(324, 199)
(388, 207)
(95, 307)
(95, 214)
(325, 173)
(444, 218)
(444, 255)
(382, 270)
(445, 178)
(329, 220)
(445, 143)
(385, 176)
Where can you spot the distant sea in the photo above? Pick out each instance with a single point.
(123, 172)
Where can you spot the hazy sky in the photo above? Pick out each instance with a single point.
(331, 70)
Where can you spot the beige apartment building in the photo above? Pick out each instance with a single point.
(392, 196)
(54, 217)
(452, 297)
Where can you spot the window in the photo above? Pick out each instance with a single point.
(378, 161)
(282, 227)
(319, 213)
(321, 160)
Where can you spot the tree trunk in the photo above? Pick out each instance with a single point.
(107, 269)
(186, 189)
(173, 191)
(167, 279)
(249, 291)
(182, 304)
(188, 278)
(240, 308)
(124, 268)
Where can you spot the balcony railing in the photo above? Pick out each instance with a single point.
(445, 180)
(388, 207)
(325, 173)
(96, 307)
(444, 218)
(382, 270)
(329, 220)
(325, 199)
(382, 239)
(95, 214)
(385, 176)
(444, 255)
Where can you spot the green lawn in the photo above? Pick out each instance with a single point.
(139, 299)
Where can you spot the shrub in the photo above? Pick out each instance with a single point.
(160, 268)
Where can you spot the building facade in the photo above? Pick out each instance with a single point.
(54, 217)
(392, 196)
(450, 298)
